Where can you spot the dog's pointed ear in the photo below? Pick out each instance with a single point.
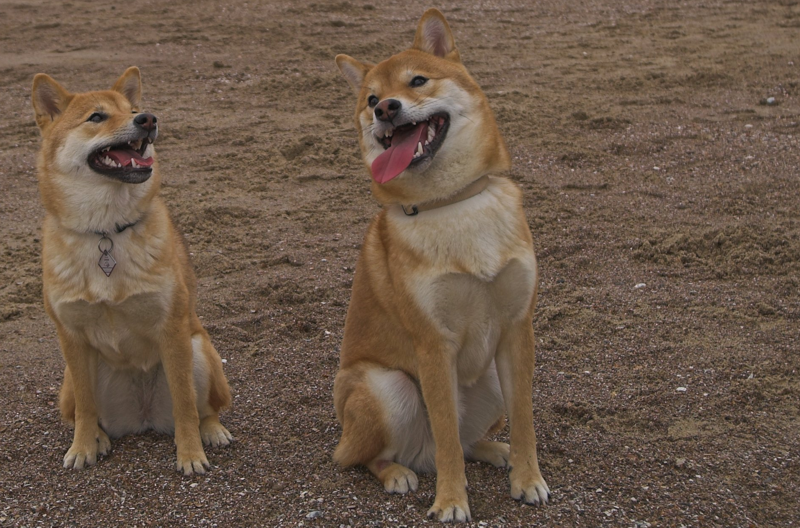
(352, 70)
(49, 99)
(130, 85)
(434, 36)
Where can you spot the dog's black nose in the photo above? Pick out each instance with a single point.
(387, 109)
(146, 121)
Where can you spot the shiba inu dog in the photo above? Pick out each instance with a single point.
(117, 280)
(438, 341)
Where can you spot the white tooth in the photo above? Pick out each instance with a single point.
(133, 164)
(414, 123)
(106, 149)
(419, 147)
(427, 143)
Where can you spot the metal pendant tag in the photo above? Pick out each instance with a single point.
(107, 263)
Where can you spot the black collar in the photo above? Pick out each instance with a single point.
(118, 228)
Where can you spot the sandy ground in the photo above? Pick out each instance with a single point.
(660, 185)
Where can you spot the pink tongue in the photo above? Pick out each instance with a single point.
(124, 157)
(397, 158)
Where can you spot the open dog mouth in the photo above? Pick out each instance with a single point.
(124, 161)
(409, 144)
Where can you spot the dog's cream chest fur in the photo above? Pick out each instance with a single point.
(121, 332)
(95, 306)
(479, 276)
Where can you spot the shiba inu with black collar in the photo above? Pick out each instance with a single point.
(117, 280)
(438, 341)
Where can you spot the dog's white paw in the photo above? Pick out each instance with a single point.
(82, 454)
(214, 433)
(190, 463)
(399, 479)
(447, 511)
(530, 490)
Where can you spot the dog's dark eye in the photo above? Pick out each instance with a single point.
(372, 101)
(419, 80)
(97, 117)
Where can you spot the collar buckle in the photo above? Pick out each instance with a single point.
(414, 210)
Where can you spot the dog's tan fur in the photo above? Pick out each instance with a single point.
(442, 302)
(137, 355)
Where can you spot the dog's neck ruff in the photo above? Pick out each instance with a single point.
(473, 189)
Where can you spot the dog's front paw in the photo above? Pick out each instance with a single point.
(399, 479)
(84, 453)
(528, 486)
(214, 433)
(450, 509)
(192, 461)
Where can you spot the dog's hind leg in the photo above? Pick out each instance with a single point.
(363, 433)
(396, 478)
(384, 425)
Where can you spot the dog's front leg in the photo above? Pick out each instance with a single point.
(177, 358)
(439, 383)
(89, 439)
(515, 364)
